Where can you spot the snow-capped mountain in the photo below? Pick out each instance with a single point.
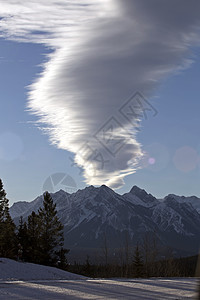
(193, 200)
(98, 215)
(23, 208)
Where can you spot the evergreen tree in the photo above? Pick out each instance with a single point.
(137, 263)
(51, 235)
(7, 227)
(87, 266)
(33, 233)
(22, 236)
(4, 209)
(62, 259)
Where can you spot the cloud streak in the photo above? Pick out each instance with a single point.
(104, 51)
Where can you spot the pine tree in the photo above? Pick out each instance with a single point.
(3, 203)
(138, 263)
(62, 259)
(7, 227)
(51, 235)
(22, 236)
(87, 267)
(33, 233)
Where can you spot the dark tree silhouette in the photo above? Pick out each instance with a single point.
(7, 227)
(138, 263)
(51, 230)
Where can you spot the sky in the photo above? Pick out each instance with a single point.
(103, 92)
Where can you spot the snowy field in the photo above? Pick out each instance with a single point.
(29, 281)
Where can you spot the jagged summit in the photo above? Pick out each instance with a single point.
(138, 191)
(92, 212)
(141, 193)
(181, 197)
(192, 200)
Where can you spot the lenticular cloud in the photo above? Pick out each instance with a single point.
(107, 55)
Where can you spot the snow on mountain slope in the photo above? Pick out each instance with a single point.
(13, 270)
(140, 197)
(90, 214)
(24, 209)
(19, 208)
(167, 217)
(94, 209)
(193, 200)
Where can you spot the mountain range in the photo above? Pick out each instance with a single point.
(98, 221)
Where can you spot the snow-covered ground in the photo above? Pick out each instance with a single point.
(29, 281)
(14, 270)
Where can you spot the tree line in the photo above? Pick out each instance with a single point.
(144, 260)
(171, 267)
(40, 239)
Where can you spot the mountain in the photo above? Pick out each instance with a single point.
(97, 219)
(193, 200)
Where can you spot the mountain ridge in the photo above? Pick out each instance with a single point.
(93, 213)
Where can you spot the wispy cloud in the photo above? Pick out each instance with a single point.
(103, 52)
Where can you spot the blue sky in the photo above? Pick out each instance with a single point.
(176, 126)
(171, 138)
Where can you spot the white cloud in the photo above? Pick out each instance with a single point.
(104, 51)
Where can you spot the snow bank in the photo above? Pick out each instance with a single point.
(13, 270)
